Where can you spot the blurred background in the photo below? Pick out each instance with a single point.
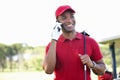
(25, 27)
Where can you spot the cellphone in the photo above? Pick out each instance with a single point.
(59, 22)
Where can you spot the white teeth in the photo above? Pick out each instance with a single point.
(69, 25)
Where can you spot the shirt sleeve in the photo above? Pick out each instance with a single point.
(96, 51)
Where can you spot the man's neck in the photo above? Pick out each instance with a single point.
(70, 35)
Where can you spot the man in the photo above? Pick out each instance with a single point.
(65, 53)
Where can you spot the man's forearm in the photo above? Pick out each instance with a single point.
(50, 59)
(99, 69)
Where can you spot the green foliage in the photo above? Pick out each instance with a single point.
(108, 57)
(36, 55)
(118, 57)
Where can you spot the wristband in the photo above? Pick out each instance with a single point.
(94, 65)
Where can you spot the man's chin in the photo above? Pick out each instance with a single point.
(69, 31)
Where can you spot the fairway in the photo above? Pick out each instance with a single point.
(25, 76)
(29, 76)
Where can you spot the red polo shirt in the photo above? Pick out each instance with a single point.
(68, 65)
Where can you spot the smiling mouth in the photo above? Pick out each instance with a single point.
(69, 25)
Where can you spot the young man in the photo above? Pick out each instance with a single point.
(65, 53)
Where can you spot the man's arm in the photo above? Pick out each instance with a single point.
(99, 67)
(50, 59)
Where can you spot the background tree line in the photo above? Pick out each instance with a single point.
(20, 57)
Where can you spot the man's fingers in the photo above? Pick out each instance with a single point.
(79, 55)
(83, 58)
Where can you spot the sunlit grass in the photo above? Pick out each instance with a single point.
(29, 76)
(25, 76)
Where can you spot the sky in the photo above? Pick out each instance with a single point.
(31, 21)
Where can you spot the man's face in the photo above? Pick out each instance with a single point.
(68, 21)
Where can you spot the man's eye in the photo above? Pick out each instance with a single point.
(72, 16)
(63, 18)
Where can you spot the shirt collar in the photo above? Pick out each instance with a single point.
(78, 36)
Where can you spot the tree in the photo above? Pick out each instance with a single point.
(3, 53)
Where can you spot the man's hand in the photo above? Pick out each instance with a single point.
(86, 60)
(56, 31)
